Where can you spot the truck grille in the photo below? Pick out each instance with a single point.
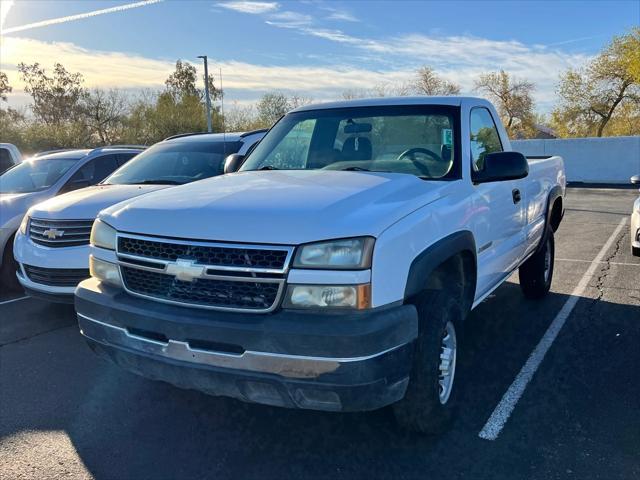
(210, 275)
(60, 233)
(202, 291)
(204, 254)
(56, 277)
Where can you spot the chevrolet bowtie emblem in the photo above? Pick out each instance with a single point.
(53, 233)
(185, 270)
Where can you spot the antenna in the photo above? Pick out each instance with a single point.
(224, 128)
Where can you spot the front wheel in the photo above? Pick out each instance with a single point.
(430, 398)
(8, 279)
(536, 273)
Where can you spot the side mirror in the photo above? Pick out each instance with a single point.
(500, 166)
(635, 179)
(233, 163)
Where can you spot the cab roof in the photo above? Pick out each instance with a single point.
(390, 101)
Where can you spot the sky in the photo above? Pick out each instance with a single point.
(314, 48)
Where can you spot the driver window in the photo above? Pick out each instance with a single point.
(96, 170)
(484, 137)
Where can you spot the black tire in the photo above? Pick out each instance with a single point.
(8, 279)
(421, 410)
(535, 275)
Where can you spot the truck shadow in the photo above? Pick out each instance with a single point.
(129, 427)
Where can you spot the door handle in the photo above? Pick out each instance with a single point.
(515, 194)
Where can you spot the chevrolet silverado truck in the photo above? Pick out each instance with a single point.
(334, 270)
(51, 247)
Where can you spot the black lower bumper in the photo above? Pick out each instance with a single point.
(50, 297)
(340, 362)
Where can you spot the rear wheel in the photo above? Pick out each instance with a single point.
(430, 398)
(536, 273)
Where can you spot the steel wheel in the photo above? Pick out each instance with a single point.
(447, 367)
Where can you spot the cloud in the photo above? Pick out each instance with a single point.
(339, 15)
(289, 19)
(254, 8)
(5, 6)
(71, 18)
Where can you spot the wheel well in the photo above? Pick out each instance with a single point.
(457, 274)
(556, 214)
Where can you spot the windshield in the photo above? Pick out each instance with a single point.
(417, 140)
(174, 163)
(35, 175)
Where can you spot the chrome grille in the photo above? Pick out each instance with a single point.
(60, 233)
(56, 277)
(219, 276)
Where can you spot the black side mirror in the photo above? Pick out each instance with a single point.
(233, 163)
(635, 179)
(501, 166)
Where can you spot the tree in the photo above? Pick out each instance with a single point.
(512, 98)
(56, 99)
(105, 113)
(272, 106)
(592, 96)
(427, 82)
(182, 82)
(4, 86)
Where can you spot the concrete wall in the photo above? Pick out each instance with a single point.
(593, 160)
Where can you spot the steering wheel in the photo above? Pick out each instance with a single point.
(410, 155)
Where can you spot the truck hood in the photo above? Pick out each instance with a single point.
(278, 207)
(86, 203)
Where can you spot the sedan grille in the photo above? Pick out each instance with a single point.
(226, 294)
(60, 233)
(56, 277)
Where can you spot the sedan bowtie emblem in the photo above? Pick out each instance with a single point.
(185, 270)
(53, 233)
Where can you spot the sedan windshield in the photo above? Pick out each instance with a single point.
(417, 140)
(174, 163)
(35, 175)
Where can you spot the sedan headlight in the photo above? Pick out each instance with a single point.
(346, 254)
(106, 272)
(334, 296)
(24, 226)
(103, 235)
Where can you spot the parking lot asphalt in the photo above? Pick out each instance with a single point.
(66, 413)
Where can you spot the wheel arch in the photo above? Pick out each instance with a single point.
(449, 263)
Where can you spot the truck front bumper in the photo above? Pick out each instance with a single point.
(322, 361)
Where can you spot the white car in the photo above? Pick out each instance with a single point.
(334, 270)
(43, 176)
(52, 246)
(635, 221)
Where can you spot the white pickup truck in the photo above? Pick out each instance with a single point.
(336, 268)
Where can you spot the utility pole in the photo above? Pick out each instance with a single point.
(206, 91)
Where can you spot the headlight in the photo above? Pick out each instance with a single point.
(103, 236)
(350, 253)
(322, 296)
(24, 226)
(106, 272)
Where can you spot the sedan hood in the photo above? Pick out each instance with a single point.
(278, 207)
(87, 202)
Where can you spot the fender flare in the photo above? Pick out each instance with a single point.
(433, 256)
(554, 194)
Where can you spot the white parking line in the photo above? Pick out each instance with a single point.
(503, 411)
(13, 300)
(589, 261)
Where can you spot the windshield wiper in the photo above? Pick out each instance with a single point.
(157, 182)
(355, 169)
(268, 167)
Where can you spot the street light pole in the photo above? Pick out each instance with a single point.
(206, 91)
